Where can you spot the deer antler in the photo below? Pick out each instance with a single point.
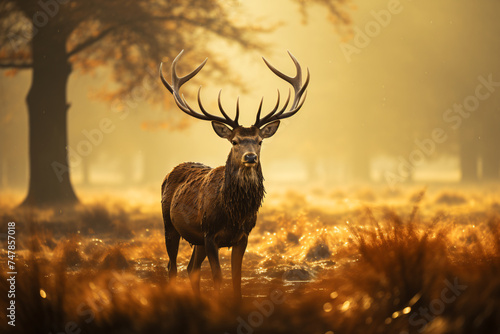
(299, 92)
(182, 103)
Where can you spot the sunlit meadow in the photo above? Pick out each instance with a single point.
(346, 260)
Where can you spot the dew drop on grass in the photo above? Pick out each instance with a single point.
(327, 307)
(345, 306)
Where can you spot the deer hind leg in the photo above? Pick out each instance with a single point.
(172, 238)
(213, 257)
(194, 266)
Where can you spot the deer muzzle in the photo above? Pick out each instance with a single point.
(250, 159)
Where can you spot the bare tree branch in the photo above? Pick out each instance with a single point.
(89, 42)
(16, 65)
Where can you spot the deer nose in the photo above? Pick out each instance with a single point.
(250, 158)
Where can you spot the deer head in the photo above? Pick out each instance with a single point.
(246, 141)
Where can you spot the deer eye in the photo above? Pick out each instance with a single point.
(234, 142)
(260, 143)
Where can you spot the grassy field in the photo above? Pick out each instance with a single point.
(353, 260)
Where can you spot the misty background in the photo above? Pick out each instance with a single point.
(380, 89)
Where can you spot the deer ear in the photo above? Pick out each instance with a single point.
(269, 129)
(221, 130)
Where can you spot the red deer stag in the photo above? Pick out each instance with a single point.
(217, 207)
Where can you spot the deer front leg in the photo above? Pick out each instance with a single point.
(212, 251)
(236, 261)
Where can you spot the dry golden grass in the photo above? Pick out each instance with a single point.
(317, 262)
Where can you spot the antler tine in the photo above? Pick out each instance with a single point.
(285, 105)
(299, 97)
(237, 110)
(260, 109)
(297, 102)
(184, 106)
(272, 111)
(227, 120)
(221, 108)
(177, 81)
(181, 102)
(163, 80)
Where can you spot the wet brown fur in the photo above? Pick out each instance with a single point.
(219, 199)
(215, 207)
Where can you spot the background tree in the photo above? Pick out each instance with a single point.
(54, 37)
(408, 75)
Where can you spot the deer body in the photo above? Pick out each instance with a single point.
(200, 200)
(217, 207)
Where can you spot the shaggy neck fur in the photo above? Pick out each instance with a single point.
(242, 191)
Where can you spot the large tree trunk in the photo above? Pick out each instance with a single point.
(49, 183)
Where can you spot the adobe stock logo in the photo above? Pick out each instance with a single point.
(46, 10)
(84, 147)
(453, 118)
(424, 315)
(264, 310)
(373, 28)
